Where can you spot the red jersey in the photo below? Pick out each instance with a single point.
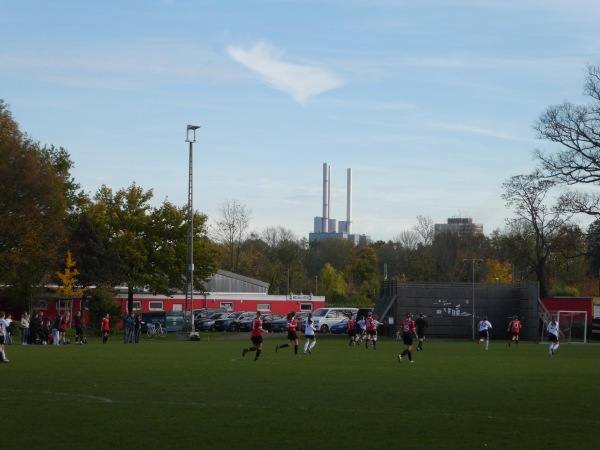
(105, 324)
(291, 325)
(350, 324)
(408, 326)
(256, 326)
(369, 324)
(514, 326)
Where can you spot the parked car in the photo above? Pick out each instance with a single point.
(246, 324)
(324, 318)
(232, 321)
(280, 325)
(267, 320)
(340, 327)
(209, 324)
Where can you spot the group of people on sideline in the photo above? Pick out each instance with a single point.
(45, 331)
(132, 328)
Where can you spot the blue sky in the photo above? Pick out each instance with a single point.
(431, 103)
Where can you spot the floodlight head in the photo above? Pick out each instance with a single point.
(191, 129)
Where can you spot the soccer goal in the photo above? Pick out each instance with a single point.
(572, 326)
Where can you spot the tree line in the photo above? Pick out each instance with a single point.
(119, 238)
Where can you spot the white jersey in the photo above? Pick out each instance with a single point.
(361, 324)
(3, 327)
(309, 328)
(553, 328)
(485, 325)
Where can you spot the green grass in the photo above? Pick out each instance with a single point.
(190, 395)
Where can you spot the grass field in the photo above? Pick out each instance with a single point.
(189, 395)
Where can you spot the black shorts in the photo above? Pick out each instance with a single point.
(372, 333)
(484, 334)
(407, 338)
(515, 335)
(292, 335)
(257, 339)
(352, 332)
(1, 339)
(552, 337)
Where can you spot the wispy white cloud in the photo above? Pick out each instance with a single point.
(116, 65)
(299, 81)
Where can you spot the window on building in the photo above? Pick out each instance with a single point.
(263, 307)
(177, 307)
(155, 306)
(137, 306)
(227, 305)
(306, 307)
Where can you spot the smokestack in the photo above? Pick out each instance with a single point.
(326, 173)
(349, 203)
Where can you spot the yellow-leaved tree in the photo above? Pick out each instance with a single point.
(69, 280)
(498, 271)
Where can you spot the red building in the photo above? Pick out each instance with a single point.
(222, 290)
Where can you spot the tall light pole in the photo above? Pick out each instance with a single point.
(191, 138)
(473, 292)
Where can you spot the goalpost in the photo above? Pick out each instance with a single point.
(572, 327)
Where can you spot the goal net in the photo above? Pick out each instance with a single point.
(572, 327)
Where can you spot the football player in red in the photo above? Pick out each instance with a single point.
(352, 330)
(256, 337)
(292, 334)
(409, 332)
(514, 327)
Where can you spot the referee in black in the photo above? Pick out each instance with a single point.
(421, 324)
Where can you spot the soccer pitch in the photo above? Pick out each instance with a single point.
(190, 395)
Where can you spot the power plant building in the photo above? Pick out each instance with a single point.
(462, 226)
(327, 228)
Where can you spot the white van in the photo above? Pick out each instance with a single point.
(323, 318)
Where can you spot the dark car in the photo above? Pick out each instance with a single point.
(267, 319)
(340, 327)
(280, 325)
(246, 324)
(209, 324)
(232, 321)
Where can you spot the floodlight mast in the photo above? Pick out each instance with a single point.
(473, 292)
(191, 138)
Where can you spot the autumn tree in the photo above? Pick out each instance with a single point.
(333, 285)
(32, 212)
(68, 279)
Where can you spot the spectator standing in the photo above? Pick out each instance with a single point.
(421, 324)
(3, 334)
(128, 323)
(105, 328)
(24, 325)
(34, 328)
(484, 332)
(137, 328)
(64, 323)
(78, 328)
(56, 329)
(256, 337)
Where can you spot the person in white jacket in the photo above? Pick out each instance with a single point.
(309, 332)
